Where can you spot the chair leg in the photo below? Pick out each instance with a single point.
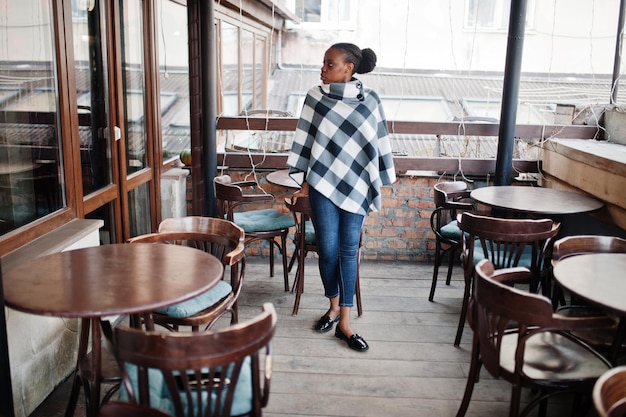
(472, 377)
(298, 284)
(272, 243)
(452, 253)
(433, 285)
(463, 315)
(283, 251)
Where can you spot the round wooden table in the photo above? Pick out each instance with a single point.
(108, 280)
(535, 200)
(282, 178)
(597, 278)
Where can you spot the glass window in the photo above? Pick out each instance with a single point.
(493, 14)
(325, 13)
(174, 78)
(134, 88)
(92, 95)
(228, 79)
(31, 183)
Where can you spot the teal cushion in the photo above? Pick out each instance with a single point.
(199, 303)
(451, 231)
(263, 220)
(309, 233)
(525, 260)
(160, 397)
(155, 384)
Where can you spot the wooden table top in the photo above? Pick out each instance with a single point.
(110, 280)
(597, 278)
(282, 178)
(536, 200)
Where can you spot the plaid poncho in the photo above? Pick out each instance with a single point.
(342, 145)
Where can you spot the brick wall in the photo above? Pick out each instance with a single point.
(399, 232)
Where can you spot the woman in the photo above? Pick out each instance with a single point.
(341, 145)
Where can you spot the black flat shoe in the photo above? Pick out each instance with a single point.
(355, 342)
(325, 323)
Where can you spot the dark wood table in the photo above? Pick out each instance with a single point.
(282, 178)
(536, 200)
(597, 278)
(108, 280)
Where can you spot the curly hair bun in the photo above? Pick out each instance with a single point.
(368, 61)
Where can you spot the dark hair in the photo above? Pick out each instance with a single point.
(364, 60)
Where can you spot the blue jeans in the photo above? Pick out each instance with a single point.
(337, 233)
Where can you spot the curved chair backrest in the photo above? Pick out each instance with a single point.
(609, 393)
(447, 191)
(186, 374)
(582, 244)
(230, 195)
(219, 231)
(505, 241)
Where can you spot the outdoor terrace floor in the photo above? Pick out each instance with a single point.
(411, 369)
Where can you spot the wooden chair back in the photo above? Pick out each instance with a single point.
(261, 224)
(609, 393)
(518, 338)
(222, 239)
(200, 368)
(506, 243)
(230, 195)
(450, 198)
(449, 191)
(584, 244)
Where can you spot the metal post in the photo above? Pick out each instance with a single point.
(209, 104)
(6, 390)
(617, 61)
(510, 93)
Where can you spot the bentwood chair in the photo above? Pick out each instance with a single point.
(305, 242)
(507, 243)
(609, 393)
(259, 224)
(518, 338)
(225, 372)
(222, 239)
(580, 245)
(450, 198)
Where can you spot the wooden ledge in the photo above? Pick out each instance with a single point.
(56, 241)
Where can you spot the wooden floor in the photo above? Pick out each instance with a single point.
(411, 368)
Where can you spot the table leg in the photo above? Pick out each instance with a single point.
(618, 340)
(88, 370)
(83, 342)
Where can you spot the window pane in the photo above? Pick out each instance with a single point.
(174, 81)
(92, 96)
(139, 210)
(230, 76)
(247, 57)
(134, 86)
(30, 156)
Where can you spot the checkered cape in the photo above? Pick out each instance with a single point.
(342, 145)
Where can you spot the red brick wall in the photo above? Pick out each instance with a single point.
(400, 231)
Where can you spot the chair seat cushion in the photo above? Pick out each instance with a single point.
(451, 231)
(263, 220)
(160, 397)
(551, 356)
(197, 304)
(309, 233)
